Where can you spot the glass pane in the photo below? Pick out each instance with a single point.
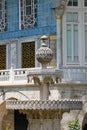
(75, 17)
(85, 17)
(28, 2)
(69, 17)
(75, 42)
(75, 2)
(69, 43)
(85, 2)
(70, 3)
(28, 10)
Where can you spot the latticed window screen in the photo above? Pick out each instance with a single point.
(2, 57)
(28, 13)
(28, 55)
(2, 15)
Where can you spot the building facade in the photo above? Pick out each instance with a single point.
(34, 97)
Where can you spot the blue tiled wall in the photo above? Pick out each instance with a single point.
(12, 10)
(46, 22)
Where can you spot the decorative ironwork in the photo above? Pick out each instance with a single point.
(2, 15)
(2, 57)
(28, 13)
(28, 55)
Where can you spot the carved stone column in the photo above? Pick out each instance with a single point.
(44, 92)
(44, 55)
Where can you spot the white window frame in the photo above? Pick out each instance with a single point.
(81, 9)
(28, 21)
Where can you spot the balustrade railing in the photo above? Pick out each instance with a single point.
(21, 75)
(78, 74)
(13, 75)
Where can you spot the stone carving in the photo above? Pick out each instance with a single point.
(36, 80)
(44, 54)
(44, 104)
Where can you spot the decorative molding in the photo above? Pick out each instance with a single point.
(42, 114)
(45, 104)
(11, 41)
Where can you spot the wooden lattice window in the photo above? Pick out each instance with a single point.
(2, 57)
(28, 55)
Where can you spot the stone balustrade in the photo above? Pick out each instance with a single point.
(27, 75)
(13, 75)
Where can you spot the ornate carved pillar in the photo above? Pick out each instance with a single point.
(44, 55)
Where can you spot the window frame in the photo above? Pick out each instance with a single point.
(81, 47)
(72, 24)
(85, 2)
(72, 3)
(3, 16)
(27, 21)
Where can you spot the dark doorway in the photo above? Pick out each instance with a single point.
(20, 121)
(85, 127)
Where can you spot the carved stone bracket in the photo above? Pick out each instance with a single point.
(48, 76)
(44, 104)
(42, 114)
